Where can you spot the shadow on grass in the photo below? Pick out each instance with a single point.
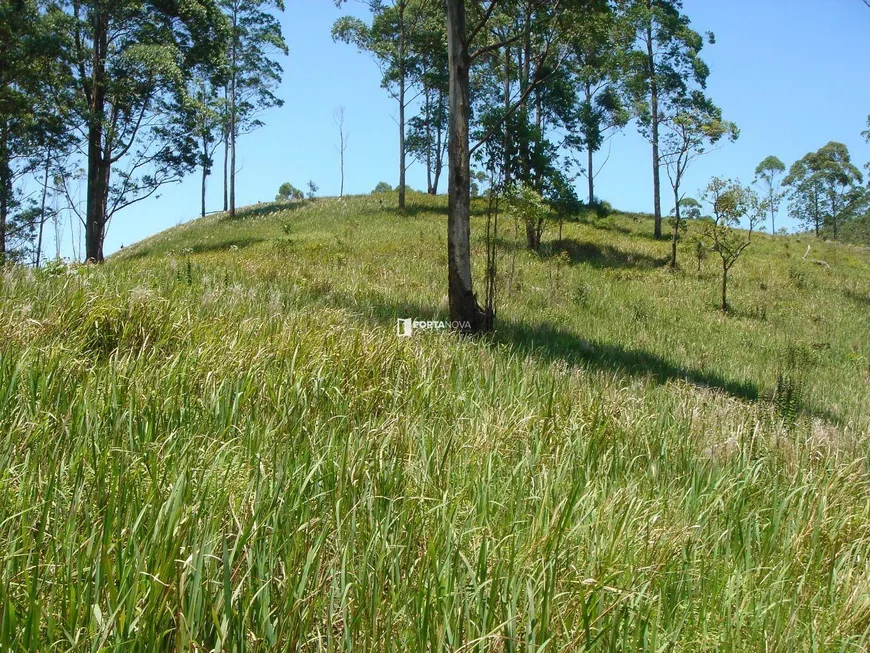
(239, 243)
(416, 204)
(644, 224)
(593, 254)
(548, 342)
(858, 298)
(601, 256)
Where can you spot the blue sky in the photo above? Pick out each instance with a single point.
(790, 73)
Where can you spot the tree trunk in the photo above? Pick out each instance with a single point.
(654, 109)
(402, 166)
(98, 160)
(233, 167)
(226, 136)
(772, 215)
(507, 106)
(591, 180)
(202, 191)
(526, 72)
(724, 287)
(95, 223)
(42, 210)
(465, 312)
(341, 153)
(676, 233)
(427, 118)
(5, 189)
(402, 143)
(440, 143)
(532, 238)
(233, 129)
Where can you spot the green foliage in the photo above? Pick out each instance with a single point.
(767, 173)
(382, 187)
(730, 203)
(253, 72)
(288, 192)
(35, 106)
(824, 189)
(312, 189)
(661, 33)
(792, 369)
(524, 204)
(690, 208)
(603, 209)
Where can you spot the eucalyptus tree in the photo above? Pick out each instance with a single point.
(767, 173)
(525, 100)
(34, 113)
(130, 64)
(824, 186)
(388, 40)
(664, 63)
(594, 65)
(427, 131)
(253, 74)
(691, 125)
(207, 112)
(471, 39)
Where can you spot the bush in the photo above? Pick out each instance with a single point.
(382, 187)
(603, 209)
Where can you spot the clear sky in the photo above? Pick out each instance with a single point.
(790, 73)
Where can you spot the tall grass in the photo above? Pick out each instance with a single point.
(217, 442)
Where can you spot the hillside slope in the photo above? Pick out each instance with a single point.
(218, 440)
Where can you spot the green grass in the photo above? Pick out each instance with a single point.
(216, 441)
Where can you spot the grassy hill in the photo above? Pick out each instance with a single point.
(217, 441)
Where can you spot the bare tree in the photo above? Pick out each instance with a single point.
(338, 116)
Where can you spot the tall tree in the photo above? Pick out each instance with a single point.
(527, 103)
(34, 111)
(465, 47)
(690, 125)
(824, 185)
(131, 58)
(426, 139)
(388, 40)
(664, 63)
(594, 66)
(767, 173)
(253, 74)
(465, 312)
(207, 116)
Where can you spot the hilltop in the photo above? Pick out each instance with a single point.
(218, 438)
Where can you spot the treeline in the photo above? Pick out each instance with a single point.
(549, 84)
(824, 190)
(102, 102)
